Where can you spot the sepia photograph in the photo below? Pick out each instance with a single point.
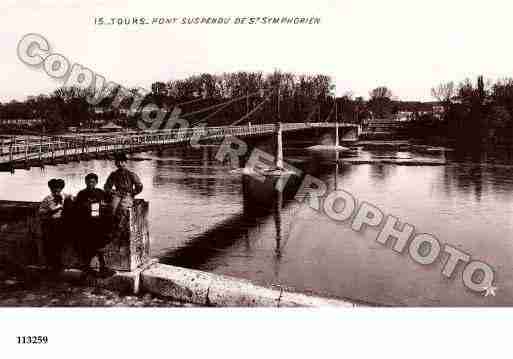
(170, 157)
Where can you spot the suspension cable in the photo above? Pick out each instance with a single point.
(210, 116)
(331, 111)
(252, 111)
(219, 104)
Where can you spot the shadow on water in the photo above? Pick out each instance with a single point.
(261, 201)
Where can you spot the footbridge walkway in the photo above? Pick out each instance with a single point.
(29, 150)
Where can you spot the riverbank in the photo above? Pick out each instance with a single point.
(163, 286)
(38, 289)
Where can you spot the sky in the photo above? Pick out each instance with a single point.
(406, 45)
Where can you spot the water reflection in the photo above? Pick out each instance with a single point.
(260, 202)
(314, 254)
(203, 216)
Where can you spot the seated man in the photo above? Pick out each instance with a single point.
(93, 225)
(51, 211)
(122, 186)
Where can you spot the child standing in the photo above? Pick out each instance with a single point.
(51, 212)
(93, 225)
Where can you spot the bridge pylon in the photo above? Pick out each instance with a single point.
(337, 141)
(279, 146)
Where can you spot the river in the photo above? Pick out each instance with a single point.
(197, 219)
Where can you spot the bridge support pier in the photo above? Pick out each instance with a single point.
(279, 146)
(337, 142)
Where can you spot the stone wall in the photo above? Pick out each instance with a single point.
(20, 233)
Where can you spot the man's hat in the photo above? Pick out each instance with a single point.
(91, 176)
(120, 157)
(55, 183)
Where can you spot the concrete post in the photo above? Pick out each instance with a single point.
(130, 248)
(279, 145)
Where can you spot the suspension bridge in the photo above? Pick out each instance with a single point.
(30, 151)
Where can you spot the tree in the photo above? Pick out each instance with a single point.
(380, 93)
(444, 92)
(72, 105)
(381, 101)
(498, 119)
(159, 88)
(476, 103)
(158, 92)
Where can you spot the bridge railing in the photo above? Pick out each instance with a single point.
(48, 147)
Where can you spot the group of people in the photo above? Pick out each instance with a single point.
(90, 220)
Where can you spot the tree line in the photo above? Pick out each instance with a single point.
(474, 111)
(477, 111)
(279, 96)
(299, 96)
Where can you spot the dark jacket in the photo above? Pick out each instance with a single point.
(91, 219)
(87, 201)
(123, 182)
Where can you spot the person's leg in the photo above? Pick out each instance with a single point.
(52, 247)
(47, 245)
(84, 247)
(104, 270)
(113, 216)
(114, 204)
(85, 259)
(60, 238)
(87, 253)
(126, 202)
(102, 239)
(122, 216)
(101, 259)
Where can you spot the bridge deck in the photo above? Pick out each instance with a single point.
(26, 149)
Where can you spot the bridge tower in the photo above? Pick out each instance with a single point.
(279, 134)
(337, 143)
(279, 146)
